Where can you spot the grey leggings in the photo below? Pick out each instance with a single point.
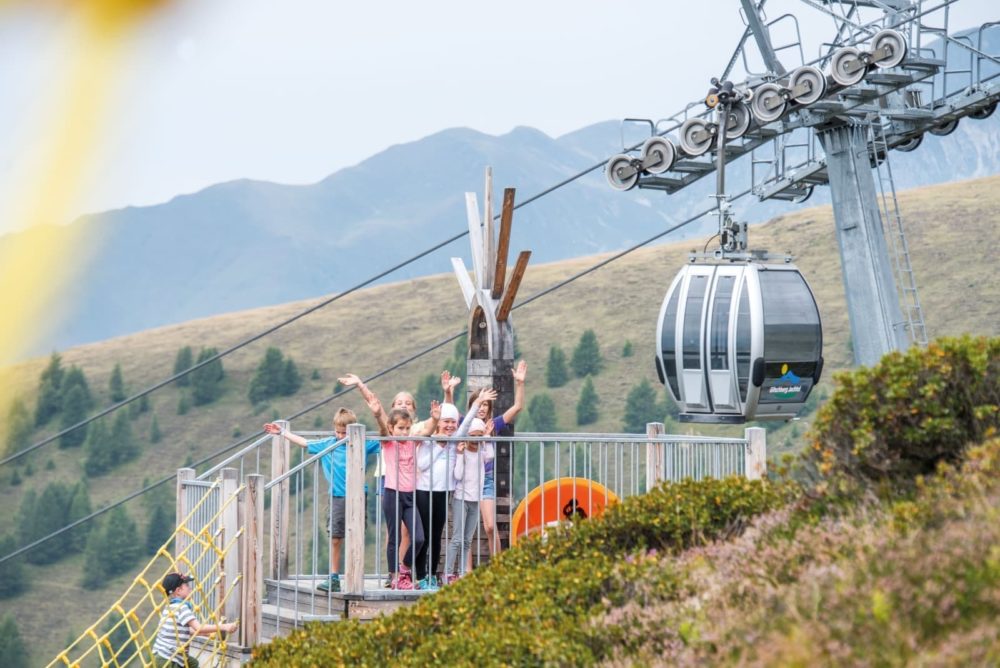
(465, 520)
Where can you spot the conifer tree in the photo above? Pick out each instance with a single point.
(206, 381)
(19, 427)
(99, 449)
(12, 573)
(125, 447)
(183, 405)
(543, 412)
(291, 380)
(627, 349)
(587, 358)
(159, 528)
(26, 518)
(49, 396)
(74, 410)
(113, 547)
(154, 431)
(586, 407)
(116, 385)
(12, 647)
(641, 408)
(50, 515)
(267, 379)
(556, 373)
(143, 403)
(79, 507)
(75, 378)
(183, 362)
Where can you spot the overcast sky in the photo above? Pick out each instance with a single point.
(291, 91)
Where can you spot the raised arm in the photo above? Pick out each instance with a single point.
(272, 428)
(374, 405)
(519, 372)
(430, 424)
(448, 385)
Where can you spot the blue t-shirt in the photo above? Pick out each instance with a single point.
(335, 463)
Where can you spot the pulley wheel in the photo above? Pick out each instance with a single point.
(840, 62)
(738, 122)
(695, 136)
(767, 105)
(944, 129)
(804, 196)
(808, 75)
(896, 45)
(910, 144)
(617, 173)
(984, 112)
(658, 155)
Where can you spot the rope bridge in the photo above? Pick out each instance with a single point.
(207, 544)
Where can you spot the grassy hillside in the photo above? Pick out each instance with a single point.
(363, 333)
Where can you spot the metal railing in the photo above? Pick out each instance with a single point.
(540, 480)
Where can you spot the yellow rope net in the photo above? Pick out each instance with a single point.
(125, 634)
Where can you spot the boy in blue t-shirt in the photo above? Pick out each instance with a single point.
(334, 465)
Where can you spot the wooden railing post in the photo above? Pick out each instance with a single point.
(230, 565)
(654, 455)
(756, 453)
(354, 539)
(278, 562)
(182, 541)
(251, 589)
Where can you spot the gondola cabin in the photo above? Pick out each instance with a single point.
(739, 341)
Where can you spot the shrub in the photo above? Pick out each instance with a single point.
(532, 604)
(909, 412)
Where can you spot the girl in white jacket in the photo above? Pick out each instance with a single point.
(469, 474)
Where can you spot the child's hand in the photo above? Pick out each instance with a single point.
(272, 428)
(449, 382)
(520, 371)
(350, 380)
(460, 448)
(435, 410)
(230, 627)
(487, 394)
(489, 428)
(375, 406)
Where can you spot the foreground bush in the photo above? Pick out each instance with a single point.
(910, 412)
(533, 604)
(894, 583)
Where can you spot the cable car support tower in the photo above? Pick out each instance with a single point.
(891, 73)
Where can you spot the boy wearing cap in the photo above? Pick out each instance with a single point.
(178, 624)
(334, 465)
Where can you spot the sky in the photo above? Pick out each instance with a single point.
(209, 91)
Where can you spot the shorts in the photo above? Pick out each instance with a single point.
(489, 487)
(336, 520)
(336, 523)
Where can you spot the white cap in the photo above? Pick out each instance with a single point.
(477, 425)
(449, 412)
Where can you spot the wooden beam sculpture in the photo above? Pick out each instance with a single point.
(490, 356)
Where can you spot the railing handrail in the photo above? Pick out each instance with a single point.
(232, 458)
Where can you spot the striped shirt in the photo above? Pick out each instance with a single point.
(175, 633)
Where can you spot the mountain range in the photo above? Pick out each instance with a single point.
(245, 244)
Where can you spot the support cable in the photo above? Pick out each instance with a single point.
(321, 402)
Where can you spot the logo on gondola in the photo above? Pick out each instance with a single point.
(787, 386)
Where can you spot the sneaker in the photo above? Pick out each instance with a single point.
(450, 578)
(330, 584)
(402, 582)
(428, 583)
(388, 583)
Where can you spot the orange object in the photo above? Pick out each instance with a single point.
(557, 501)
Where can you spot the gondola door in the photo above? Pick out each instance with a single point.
(720, 322)
(691, 351)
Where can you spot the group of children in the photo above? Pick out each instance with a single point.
(417, 476)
